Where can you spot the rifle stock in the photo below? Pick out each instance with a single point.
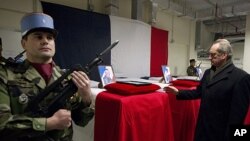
(64, 92)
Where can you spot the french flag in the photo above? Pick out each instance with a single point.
(141, 50)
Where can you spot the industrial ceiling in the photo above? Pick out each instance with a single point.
(220, 16)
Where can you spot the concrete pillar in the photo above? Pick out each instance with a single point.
(112, 7)
(246, 60)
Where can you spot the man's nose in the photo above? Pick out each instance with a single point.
(45, 40)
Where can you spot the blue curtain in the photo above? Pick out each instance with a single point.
(82, 35)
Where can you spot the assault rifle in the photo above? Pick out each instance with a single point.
(16, 59)
(13, 61)
(64, 91)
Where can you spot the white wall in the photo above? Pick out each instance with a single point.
(238, 50)
(11, 43)
(246, 60)
(182, 34)
(11, 12)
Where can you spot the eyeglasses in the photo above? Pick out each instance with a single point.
(212, 55)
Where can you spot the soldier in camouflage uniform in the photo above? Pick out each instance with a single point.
(191, 70)
(22, 82)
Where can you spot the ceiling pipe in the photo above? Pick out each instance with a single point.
(235, 8)
(223, 10)
(178, 9)
(216, 14)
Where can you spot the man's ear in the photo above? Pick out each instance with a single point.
(23, 43)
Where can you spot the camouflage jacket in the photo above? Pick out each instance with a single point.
(191, 71)
(17, 86)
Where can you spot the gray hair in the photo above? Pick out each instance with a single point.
(225, 47)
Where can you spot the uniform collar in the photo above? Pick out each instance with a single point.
(32, 74)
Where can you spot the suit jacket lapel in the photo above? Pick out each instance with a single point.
(222, 75)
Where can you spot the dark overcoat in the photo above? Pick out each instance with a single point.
(224, 102)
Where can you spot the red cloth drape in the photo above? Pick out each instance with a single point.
(247, 119)
(184, 116)
(144, 117)
(159, 51)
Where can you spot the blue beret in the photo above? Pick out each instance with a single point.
(37, 21)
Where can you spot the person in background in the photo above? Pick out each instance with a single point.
(191, 70)
(224, 91)
(18, 85)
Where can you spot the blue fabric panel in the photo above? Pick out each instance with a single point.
(82, 35)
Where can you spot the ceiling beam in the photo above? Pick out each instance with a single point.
(223, 12)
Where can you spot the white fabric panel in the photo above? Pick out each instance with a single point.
(131, 57)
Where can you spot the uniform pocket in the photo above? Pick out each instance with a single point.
(18, 87)
(20, 92)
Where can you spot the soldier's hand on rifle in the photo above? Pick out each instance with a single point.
(60, 120)
(82, 81)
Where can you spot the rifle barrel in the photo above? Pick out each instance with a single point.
(110, 47)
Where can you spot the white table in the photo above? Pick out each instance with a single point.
(86, 133)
